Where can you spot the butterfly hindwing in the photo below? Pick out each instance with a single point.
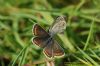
(48, 50)
(53, 49)
(40, 41)
(57, 49)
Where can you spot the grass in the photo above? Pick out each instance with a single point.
(81, 39)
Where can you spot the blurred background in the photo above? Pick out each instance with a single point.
(81, 40)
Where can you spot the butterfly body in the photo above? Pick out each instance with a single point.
(45, 40)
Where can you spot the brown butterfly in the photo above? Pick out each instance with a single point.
(45, 40)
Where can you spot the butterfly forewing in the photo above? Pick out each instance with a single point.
(58, 26)
(39, 31)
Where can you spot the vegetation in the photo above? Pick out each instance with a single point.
(81, 39)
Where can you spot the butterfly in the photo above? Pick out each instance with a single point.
(45, 40)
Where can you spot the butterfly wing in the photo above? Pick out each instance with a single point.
(53, 49)
(58, 26)
(39, 31)
(41, 42)
(57, 49)
(41, 36)
(48, 50)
